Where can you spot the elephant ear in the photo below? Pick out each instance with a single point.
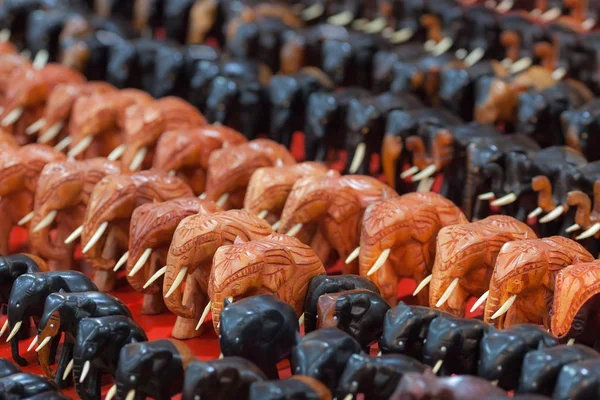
(426, 223)
(272, 323)
(345, 204)
(85, 307)
(574, 286)
(279, 267)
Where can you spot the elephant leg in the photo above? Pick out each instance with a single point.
(65, 357)
(387, 280)
(62, 233)
(153, 303)
(104, 280)
(185, 328)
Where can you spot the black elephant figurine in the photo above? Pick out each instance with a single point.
(176, 19)
(482, 26)
(262, 316)
(28, 296)
(375, 377)
(152, 369)
(365, 124)
(223, 379)
(24, 385)
(288, 95)
(405, 329)
(502, 352)
(323, 355)
(385, 59)
(13, 266)
(578, 381)
(324, 284)
(8, 368)
(581, 129)
(358, 312)
(97, 347)
(541, 368)
(452, 345)
(44, 28)
(50, 396)
(294, 388)
(62, 313)
(326, 114)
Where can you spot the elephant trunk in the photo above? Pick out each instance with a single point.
(415, 145)
(493, 303)
(174, 302)
(390, 154)
(469, 193)
(584, 206)
(89, 389)
(542, 185)
(49, 332)
(216, 308)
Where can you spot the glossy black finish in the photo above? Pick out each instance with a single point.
(11, 267)
(222, 379)
(581, 129)
(23, 385)
(262, 329)
(385, 59)
(7, 368)
(44, 28)
(285, 389)
(578, 381)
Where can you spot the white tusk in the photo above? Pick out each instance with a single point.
(46, 221)
(121, 261)
(447, 293)
(429, 45)
(486, 196)
(425, 173)
(461, 54)
(81, 146)
(375, 26)
(172, 172)
(590, 232)
(559, 73)
(263, 214)
(33, 343)
(504, 200)
(26, 54)
(301, 320)
(41, 59)
(222, 199)
(5, 35)
(505, 307)
(587, 25)
(130, 395)
(156, 275)
(221, 354)
(359, 156)
(353, 256)
(507, 62)
(111, 392)
(204, 315)
(571, 342)
(443, 46)
(69, 369)
(359, 24)
(551, 14)
(85, 371)
(63, 144)
(520, 65)
(117, 152)
(74, 235)
(51, 133)
(178, 279)
(313, 12)
(379, 262)
(480, 301)
(505, 5)
(422, 284)
(12, 116)
(4, 327)
(275, 226)
(141, 261)
(138, 159)
(401, 36)
(573, 228)
(349, 397)
(36, 126)
(552, 215)
(46, 340)
(409, 172)
(14, 331)
(437, 366)
(25, 219)
(97, 235)
(342, 19)
(295, 229)
(495, 382)
(202, 196)
(425, 185)
(535, 213)
(474, 57)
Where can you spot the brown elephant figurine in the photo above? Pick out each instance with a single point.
(524, 278)
(20, 169)
(185, 152)
(587, 217)
(270, 187)
(334, 205)
(190, 259)
(61, 197)
(145, 124)
(57, 112)
(398, 239)
(465, 256)
(10, 63)
(108, 216)
(97, 123)
(150, 235)
(277, 264)
(230, 169)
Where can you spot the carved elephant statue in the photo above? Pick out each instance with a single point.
(388, 236)
(7, 368)
(221, 379)
(294, 387)
(465, 257)
(97, 347)
(581, 129)
(230, 169)
(335, 206)
(260, 316)
(150, 234)
(28, 295)
(25, 385)
(108, 216)
(385, 60)
(11, 267)
(152, 369)
(186, 152)
(193, 265)
(287, 267)
(587, 206)
(62, 195)
(323, 355)
(62, 313)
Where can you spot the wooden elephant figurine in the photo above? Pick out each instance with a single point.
(26, 385)
(13, 266)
